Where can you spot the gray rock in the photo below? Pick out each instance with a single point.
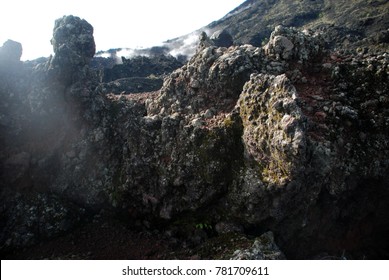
(287, 43)
(228, 227)
(222, 38)
(11, 51)
(36, 217)
(73, 45)
(263, 248)
(204, 42)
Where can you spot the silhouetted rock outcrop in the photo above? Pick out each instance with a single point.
(11, 51)
(10, 64)
(73, 45)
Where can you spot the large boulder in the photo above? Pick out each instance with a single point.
(274, 133)
(288, 43)
(222, 38)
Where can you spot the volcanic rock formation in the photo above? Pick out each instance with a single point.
(289, 138)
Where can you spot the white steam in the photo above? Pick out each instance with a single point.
(118, 54)
(183, 46)
(186, 45)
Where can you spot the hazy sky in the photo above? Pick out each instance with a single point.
(117, 23)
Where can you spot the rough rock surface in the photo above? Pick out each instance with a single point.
(35, 217)
(254, 20)
(222, 38)
(288, 43)
(42, 117)
(136, 74)
(289, 138)
(263, 248)
(132, 85)
(73, 45)
(11, 51)
(141, 66)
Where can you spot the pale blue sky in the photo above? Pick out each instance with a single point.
(117, 23)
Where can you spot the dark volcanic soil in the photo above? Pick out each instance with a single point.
(110, 238)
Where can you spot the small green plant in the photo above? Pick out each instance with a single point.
(204, 226)
(264, 42)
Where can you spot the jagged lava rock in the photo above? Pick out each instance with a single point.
(73, 45)
(288, 43)
(43, 120)
(264, 138)
(274, 133)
